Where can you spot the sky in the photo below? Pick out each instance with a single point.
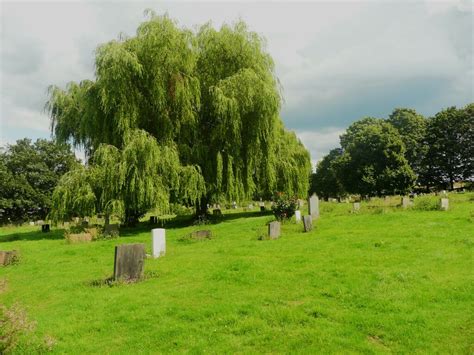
(337, 61)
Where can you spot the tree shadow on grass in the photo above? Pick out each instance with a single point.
(188, 221)
(33, 235)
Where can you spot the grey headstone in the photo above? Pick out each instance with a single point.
(356, 207)
(129, 261)
(308, 223)
(274, 230)
(112, 229)
(444, 204)
(313, 206)
(406, 202)
(8, 257)
(45, 228)
(202, 234)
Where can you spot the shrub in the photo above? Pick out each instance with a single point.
(17, 333)
(426, 203)
(284, 207)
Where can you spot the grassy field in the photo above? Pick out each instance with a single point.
(382, 280)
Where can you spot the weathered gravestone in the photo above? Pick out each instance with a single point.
(356, 207)
(250, 207)
(129, 261)
(39, 222)
(298, 216)
(307, 223)
(313, 206)
(45, 228)
(217, 212)
(444, 204)
(274, 230)
(8, 257)
(406, 202)
(158, 242)
(112, 229)
(32, 223)
(201, 235)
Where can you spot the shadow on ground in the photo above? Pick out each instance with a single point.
(33, 235)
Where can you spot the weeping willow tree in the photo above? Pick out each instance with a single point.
(143, 175)
(210, 99)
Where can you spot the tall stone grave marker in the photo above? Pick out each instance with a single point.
(274, 230)
(444, 204)
(158, 242)
(356, 207)
(129, 261)
(406, 202)
(313, 206)
(308, 223)
(298, 216)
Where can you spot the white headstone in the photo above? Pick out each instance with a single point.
(158, 242)
(406, 202)
(356, 206)
(313, 206)
(444, 204)
(32, 223)
(298, 216)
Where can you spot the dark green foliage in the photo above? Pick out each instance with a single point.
(29, 173)
(412, 129)
(450, 148)
(284, 206)
(326, 182)
(373, 161)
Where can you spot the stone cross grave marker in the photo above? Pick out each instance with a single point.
(444, 204)
(298, 216)
(158, 242)
(129, 261)
(274, 230)
(313, 206)
(308, 223)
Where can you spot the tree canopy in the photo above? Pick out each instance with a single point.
(29, 173)
(210, 99)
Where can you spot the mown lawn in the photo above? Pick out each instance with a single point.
(395, 281)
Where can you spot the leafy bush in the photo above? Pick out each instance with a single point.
(284, 207)
(426, 203)
(17, 333)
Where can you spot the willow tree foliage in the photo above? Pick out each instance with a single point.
(127, 182)
(210, 97)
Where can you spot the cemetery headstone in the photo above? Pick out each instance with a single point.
(201, 234)
(217, 212)
(8, 257)
(298, 216)
(112, 229)
(262, 208)
(153, 220)
(45, 228)
(406, 202)
(444, 204)
(158, 241)
(356, 207)
(250, 207)
(313, 205)
(307, 223)
(39, 222)
(300, 203)
(32, 223)
(129, 262)
(274, 230)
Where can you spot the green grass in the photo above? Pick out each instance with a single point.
(382, 280)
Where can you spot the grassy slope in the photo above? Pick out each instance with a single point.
(400, 281)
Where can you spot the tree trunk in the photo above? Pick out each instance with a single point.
(106, 220)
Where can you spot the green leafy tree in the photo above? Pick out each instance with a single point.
(211, 96)
(412, 129)
(373, 160)
(450, 141)
(29, 173)
(127, 182)
(325, 181)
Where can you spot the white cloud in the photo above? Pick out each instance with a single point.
(319, 143)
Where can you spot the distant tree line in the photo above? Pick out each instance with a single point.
(402, 153)
(29, 172)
